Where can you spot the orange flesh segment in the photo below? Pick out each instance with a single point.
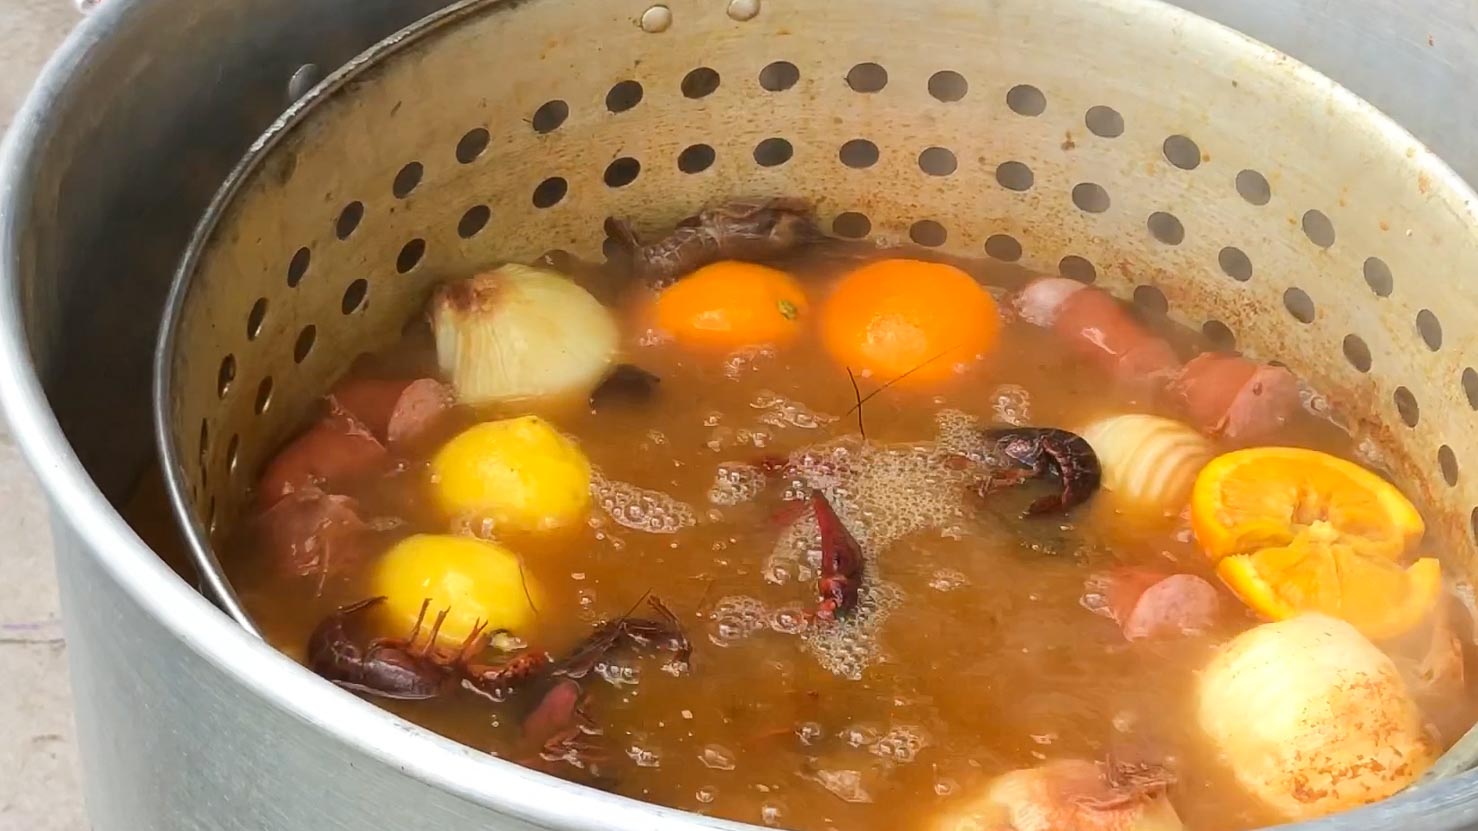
(1294, 530)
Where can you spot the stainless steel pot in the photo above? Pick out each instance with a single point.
(186, 721)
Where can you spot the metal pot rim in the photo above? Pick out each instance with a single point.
(399, 744)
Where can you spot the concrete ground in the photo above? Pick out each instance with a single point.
(39, 785)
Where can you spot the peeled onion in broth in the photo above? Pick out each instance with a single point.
(1067, 795)
(1312, 718)
(1149, 463)
(520, 332)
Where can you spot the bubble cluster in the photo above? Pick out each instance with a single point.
(640, 509)
(735, 483)
(717, 757)
(644, 757)
(844, 784)
(959, 434)
(902, 743)
(771, 813)
(1011, 404)
(779, 411)
(724, 438)
(789, 619)
(735, 618)
(745, 360)
(618, 674)
(859, 735)
(848, 646)
(948, 580)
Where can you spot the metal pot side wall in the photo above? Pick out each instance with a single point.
(116, 154)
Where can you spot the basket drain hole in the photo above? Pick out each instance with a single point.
(1166, 228)
(853, 225)
(255, 318)
(1253, 187)
(354, 296)
(1357, 353)
(410, 255)
(1378, 277)
(622, 172)
(304, 343)
(471, 145)
(1430, 328)
(1182, 152)
(938, 161)
(264, 395)
(1447, 460)
(1470, 386)
(867, 77)
(623, 96)
(1027, 100)
(297, 268)
(779, 76)
(550, 115)
(225, 375)
(1090, 197)
(859, 153)
(1151, 301)
(1235, 264)
(1219, 335)
(1406, 406)
(474, 220)
(696, 158)
(1104, 122)
(928, 233)
(407, 180)
(1077, 268)
(349, 219)
(700, 83)
(550, 192)
(948, 86)
(1318, 228)
(1299, 304)
(773, 152)
(1015, 176)
(1003, 247)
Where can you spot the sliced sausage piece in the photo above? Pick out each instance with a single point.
(393, 410)
(417, 410)
(312, 533)
(337, 447)
(1149, 604)
(1235, 397)
(1181, 604)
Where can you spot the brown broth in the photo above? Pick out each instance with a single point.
(988, 662)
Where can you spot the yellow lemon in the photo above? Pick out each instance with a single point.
(519, 472)
(471, 580)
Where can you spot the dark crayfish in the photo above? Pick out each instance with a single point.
(740, 230)
(1027, 453)
(662, 632)
(410, 668)
(841, 562)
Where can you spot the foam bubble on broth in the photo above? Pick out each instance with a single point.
(735, 618)
(735, 483)
(641, 509)
(779, 411)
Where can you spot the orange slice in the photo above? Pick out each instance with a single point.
(1294, 530)
(729, 304)
(899, 316)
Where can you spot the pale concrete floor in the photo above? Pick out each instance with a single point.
(39, 785)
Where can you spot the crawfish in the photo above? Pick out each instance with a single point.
(1038, 452)
(841, 562)
(408, 668)
(662, 632)
(739, 230)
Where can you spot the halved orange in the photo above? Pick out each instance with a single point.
(1294, 530)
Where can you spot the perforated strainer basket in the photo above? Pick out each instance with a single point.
(1163, 157)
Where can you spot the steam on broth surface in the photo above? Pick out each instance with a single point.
(943, 546)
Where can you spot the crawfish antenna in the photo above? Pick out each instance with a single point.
(857, 394)
(866, 398)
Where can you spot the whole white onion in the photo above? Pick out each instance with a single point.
(520, 332)
(1149, 463)
(1311, 717)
